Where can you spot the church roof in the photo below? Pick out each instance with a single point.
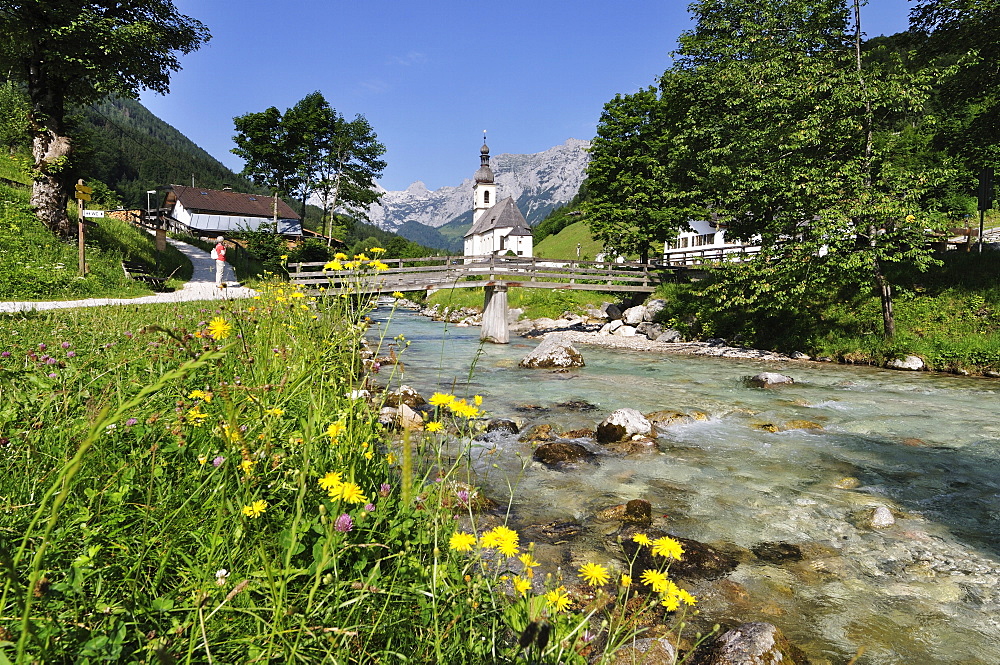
(503, 215)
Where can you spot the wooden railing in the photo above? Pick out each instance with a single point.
(475, 271)
(693, 257)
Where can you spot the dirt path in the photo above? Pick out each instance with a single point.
(200, 287)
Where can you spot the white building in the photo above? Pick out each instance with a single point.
(705, 242)
(497, 227)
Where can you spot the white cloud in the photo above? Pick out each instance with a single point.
(410, 59)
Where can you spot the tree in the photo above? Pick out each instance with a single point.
(312, 149)
(14, 117)
(623, 176)
(67, 52)
(803, 144)
(270, 151)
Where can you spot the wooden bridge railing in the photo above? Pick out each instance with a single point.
(476, 271)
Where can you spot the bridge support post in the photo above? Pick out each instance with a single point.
(495, 315)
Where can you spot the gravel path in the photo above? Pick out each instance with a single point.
(200, 287)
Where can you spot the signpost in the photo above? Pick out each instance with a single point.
(985, 195)
(82, 195)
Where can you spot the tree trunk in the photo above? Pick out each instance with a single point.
(51, 150)
(885, 295)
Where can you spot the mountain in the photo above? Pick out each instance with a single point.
(131, 150)
(539, 183)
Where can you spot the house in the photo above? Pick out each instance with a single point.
(211, 212)
(705, 242)
(498, 227)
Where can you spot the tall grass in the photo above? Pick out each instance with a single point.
(209, 484)
(36, 265)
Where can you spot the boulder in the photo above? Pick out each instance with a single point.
(611, 310)
(410, 419)
(544, 323)
(666, 418)
(650, 330)
(877, 517)
(755, 643)
(633, 315)
(513, 315)
(625, 331)
(777, 552)
(798, 355)
(636, 511)
(504, 425)
(654, 307)
(553, 352)
(560, 453)
(670, 336)
(597, 314)
(538, 434)
(623, 424)
(699, 561)
(404, 395)
(909, 363)
(646, 651)
(768, 380)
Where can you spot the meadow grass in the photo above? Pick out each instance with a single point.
(536, 303)
(36, 265)
(204, 482)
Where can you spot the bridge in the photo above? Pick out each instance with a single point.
(493, 273)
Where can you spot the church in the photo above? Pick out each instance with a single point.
(498, 227)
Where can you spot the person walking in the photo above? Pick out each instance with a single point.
(219, 254)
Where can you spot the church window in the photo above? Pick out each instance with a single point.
(486, 196)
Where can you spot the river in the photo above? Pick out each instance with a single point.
(920, 592)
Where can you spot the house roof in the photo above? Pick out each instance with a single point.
(202, 200)
(503, 215)
(237, 223)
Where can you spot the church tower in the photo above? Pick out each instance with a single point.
(484, 192)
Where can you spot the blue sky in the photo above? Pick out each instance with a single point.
(431, 76)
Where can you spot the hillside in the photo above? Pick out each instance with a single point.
(131, 150)
(562, 245)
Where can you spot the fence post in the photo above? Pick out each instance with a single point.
(495, 315)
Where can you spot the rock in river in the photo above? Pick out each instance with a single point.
(623, 424)
(553, 352)
(769, 380)
(560, 453)
(755, 643)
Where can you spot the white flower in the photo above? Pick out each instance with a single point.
(221, 575)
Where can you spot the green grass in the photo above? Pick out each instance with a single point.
(36, 265)
(536, 303)
(562, 245)
(177, 483)
(949, 316)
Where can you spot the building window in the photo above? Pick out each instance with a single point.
(486, 196)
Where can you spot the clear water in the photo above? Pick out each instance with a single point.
(924, 591)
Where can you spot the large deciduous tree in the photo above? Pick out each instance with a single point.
(804, 144)
(311, 149)
(626, 208)
(68, 52)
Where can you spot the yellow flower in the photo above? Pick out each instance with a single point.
(340, 256)
(461, 542)
(284, 257)
(461, 408)
(667, 547)
(594, 574)
(557, 599)
(390, 458)
(275, 412)
(529, 564)
(255, 509)
(503, 539)
(378, 265)
(349, 492)
(369, 455)
(642, 539)
(671, 603)
(334, 430)
(298, 294)
(655, 579)
(376, 250)
(441, 399)
(478, 399)
(521, 585)
(330, 480)
(202, 395)
(398, 294)
(219, 328)
(333, 265)
(626, 581)
(202, 459)
(434, 426)
(360, 257)
(247, 466)
(686, 597)
(195, 416)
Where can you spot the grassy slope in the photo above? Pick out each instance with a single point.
(35, 265)
(562, 245)
(535, 302)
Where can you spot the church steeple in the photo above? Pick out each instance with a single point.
(485, 189)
